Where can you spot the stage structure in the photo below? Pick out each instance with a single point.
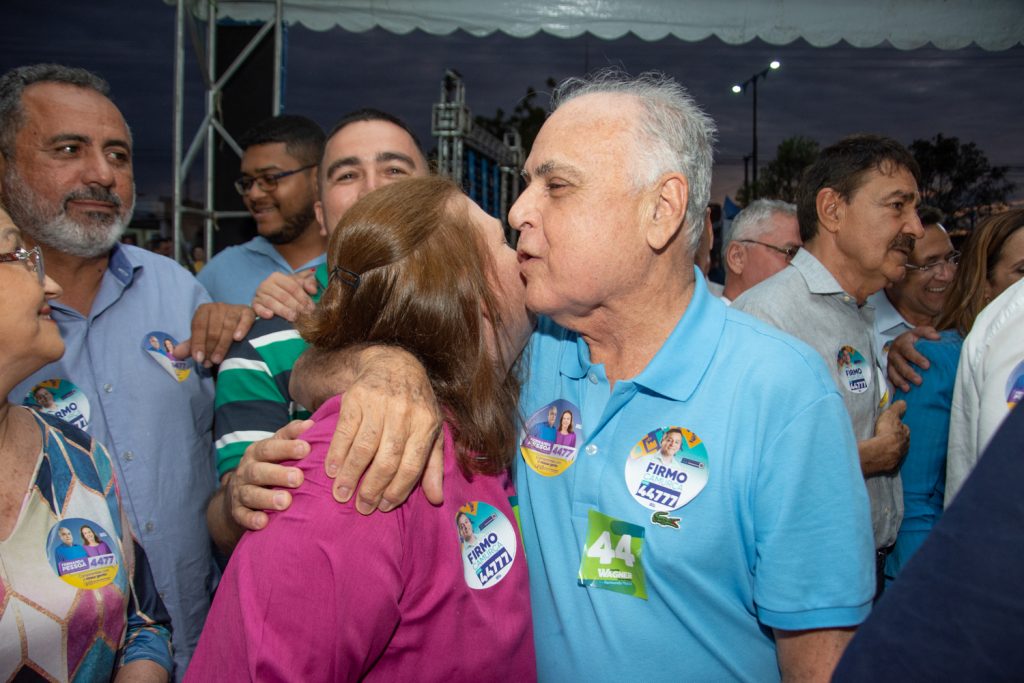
(487, 168)
(908, 24)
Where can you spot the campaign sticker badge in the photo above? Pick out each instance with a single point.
(853, 369)
(611, 556)
(160, 347)
(552, 438)
(82, 553)
(61, 398)
(667, 468)
(487, 542)
(1015, 386)
(884, 393)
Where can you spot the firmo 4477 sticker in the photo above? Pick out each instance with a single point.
(667, 468)
(487, 542)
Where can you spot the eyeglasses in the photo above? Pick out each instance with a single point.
(32, 259)
(788, 252)
(952, 260)
(267, 183)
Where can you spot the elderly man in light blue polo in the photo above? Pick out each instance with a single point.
(749, 556)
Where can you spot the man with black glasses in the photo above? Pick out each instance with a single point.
(278, 186)
(367, 149)
(761, 241)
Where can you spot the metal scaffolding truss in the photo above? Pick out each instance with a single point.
(486, 167)
(204, 138)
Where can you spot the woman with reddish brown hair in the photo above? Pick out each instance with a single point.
(424, 592)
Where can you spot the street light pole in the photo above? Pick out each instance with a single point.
(754, 153)
(742, 87)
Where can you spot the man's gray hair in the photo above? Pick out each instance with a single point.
(13, 84)
(755, 220)
(675, 135)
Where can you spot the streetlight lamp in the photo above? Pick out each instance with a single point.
(742, 87)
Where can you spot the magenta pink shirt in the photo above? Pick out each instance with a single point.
(326, 594)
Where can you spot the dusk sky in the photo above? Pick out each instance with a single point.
(822, 93)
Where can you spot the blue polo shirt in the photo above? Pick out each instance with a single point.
(923, 471)
(779, 536)
(233, 275)
(157, 429)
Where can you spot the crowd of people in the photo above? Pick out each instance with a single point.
(375, 441)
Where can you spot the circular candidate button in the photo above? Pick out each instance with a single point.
(853, 370)
(667, 468)
(552, 437)
(60, 398)
(487, 543)
(82, 553)
(1015, 386)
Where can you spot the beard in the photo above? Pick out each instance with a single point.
(294, 226)
(90, 237)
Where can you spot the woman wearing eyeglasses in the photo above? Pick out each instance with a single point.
(992, 260)
(63, 616)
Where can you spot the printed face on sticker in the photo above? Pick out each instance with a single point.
(551, 438)
(60, 398)
(160, 347)
(667, 468)
(670, 444)
(44, 398)
(465, 528)
(853, 371)
(487, 543)
(79, 553)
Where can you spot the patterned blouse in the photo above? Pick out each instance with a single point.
(77, 598)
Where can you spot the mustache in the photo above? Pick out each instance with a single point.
(97, 194)
(903, 242)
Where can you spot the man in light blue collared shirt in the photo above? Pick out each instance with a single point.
(278, 186)
(68, 184)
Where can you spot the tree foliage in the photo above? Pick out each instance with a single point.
(527, 118)
(958, 178)
(781, 177)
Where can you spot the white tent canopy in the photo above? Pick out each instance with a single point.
(905, 24)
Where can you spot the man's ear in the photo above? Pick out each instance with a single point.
(830, 207)
(670, 202)
(735, 257)
(318, 209)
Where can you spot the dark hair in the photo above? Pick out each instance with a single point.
(13, 84)
(677, 430)
(930, 215)
(842, 167)
(423, 286)
(564, 413)
(984, 246)
(95, 536)
(303, 138)
(370, 114)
